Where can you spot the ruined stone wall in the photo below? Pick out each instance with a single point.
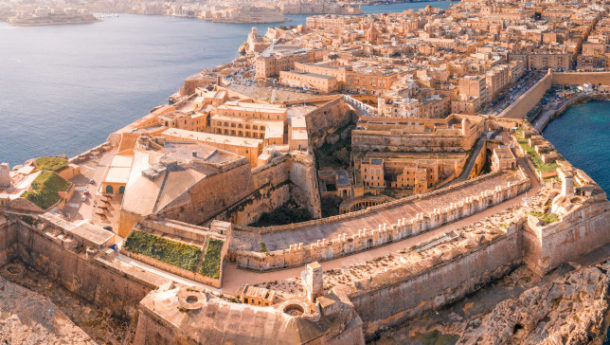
(438, 285)
(528, 100)
(90, 277)
(579, 78)
(578, 233)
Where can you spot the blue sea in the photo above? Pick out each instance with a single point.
(582, 136)
(63, 89)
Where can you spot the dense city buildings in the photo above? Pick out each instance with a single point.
(338, 181)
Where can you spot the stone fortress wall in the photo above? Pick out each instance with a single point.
(299, 254)
(528, 100)
(88, 272)
(286, 177)
(580, 232)
(391, 299)
(574, 78)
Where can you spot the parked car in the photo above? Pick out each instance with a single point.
(83, 198)
(107, 227)
(91, 181)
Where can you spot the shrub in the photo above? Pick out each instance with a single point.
(210, 266)
(174, 253)
(45, 188)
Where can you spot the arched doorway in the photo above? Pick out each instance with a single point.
(121, 189)
(109, 189)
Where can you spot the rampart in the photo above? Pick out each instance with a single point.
(90, 273)
(299, 254)
(528, 100)
(400, 294)
(579, 78)
(579, 232)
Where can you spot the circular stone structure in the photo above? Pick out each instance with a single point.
(190, 299)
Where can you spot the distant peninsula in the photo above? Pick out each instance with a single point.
(43, 16)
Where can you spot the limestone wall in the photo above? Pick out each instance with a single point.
(92, 277)
(372, 209)
(210, 197)
(438, 285)
(269, 190)
(578, 233)
(303, 174)
(286, 177)
(574, 78)
(331, 115)
(8, 238)
(299, 254)
(528, 100)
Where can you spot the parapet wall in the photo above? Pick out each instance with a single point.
(528, 100)
(441, 284)
(299, 254)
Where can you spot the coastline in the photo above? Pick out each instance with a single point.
(543, 120)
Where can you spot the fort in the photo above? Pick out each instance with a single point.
(161, 225)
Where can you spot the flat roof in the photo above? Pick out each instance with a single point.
(117, 175)
(211, 138)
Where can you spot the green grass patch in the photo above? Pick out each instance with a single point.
(549, 218)
(210, 266)
(535, 158)
(51, 163)
(546, 218)
(174, 253)
(45, 188)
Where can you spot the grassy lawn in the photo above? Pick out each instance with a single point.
(210, 266)
(51, 163)
(535, 158)
(45, 188)
(174, 253)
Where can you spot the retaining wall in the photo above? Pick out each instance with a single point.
(439, 285)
